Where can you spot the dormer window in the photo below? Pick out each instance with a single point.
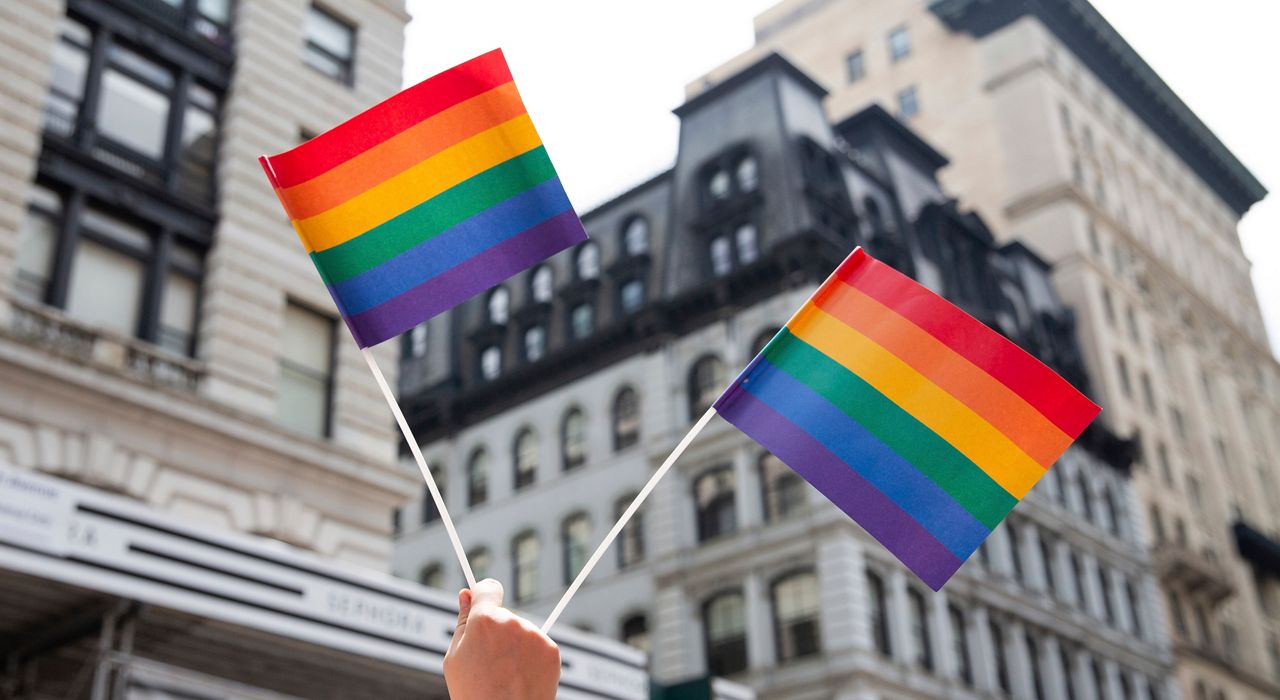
(748, 174)
(632, 296)
(582, 321)
(499, 306)
(587, 263)
(635, 237)
(719, 186)
(745, 241)
(535, 343)
(721, 256)
(542, 284)
(491, 363)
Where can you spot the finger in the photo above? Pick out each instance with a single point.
(486, 595)
(464, 611)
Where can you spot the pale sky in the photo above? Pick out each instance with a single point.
(601, 79)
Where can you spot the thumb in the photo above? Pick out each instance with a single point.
(464, 611)
(486, 595)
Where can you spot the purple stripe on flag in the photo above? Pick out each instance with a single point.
(879, 516)
(463, 281)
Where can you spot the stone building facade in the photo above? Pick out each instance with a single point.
(161, 333)
(1062, 137)
(546, 404)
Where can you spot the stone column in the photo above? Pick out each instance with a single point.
(760, 631)
(899, 625)
(842, 588)
(1019, 662)
(747, 499)
(677, 636)
(983, 652)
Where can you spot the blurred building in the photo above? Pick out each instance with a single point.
(546, 404)
(1062, 137)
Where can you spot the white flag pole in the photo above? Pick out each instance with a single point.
(422, 466)
(626, 517)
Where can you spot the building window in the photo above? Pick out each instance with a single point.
(490, 363)
(1033, 665)
(542, 284)
(725, 622)
(782, 488)
(1126, 383)
(635, 632)
(960, 645)
(478, 478)
(431, 575)
(573, 439)
(908, 102)
(330, 45)
(305, 392)
(855, 66)
(879, 609)
(918, 622)
(719, 186)
(746, 244)
(1046, 560)
(431, 513)
(1015, 550)
(198, 143)
(748, 174)
(525, 553)
(36, 241)
(899, 43)
(397, 527)
(631, 296)
(631, 545)
(1002, 661)
(706, 381)
(1068, 673)
(415, 342)
(575, 539)
(587, 263)
(713, 495)
(133, 109)
(721, 256)
(525, 451)
(1135, 607)
(582, 321)
(795, 616)
(635, 236)
(535, 343)
(499, 306)
(67, 79)
(626, 419)
(1104, 592)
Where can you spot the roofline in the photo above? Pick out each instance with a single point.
(877, 114)
(599, 209)
(769, 62)
(1099, 46)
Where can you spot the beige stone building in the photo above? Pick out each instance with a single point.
(1061, 136)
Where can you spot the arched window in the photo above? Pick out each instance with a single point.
(783, 489)
(575, 541)
(795, 615)
(582, 320)
(626, 418)
(478, 477)
(746, 244)
(748, 174)
(918, 624)
(542, 284)
(960, 645)
(721, 256)
(535, 343)
(713, 496)
(635, 631)
(631, 296)
(877, 605)
(631, 539)
(573, 439)
(499, 305)
(725, 626)
(635, 236)
(525, 555)
(706, 381)
(429, 511)
(431, 575)
(587, 263)
(490, 362)
(481, 562)
(525, 453)
(719, 185)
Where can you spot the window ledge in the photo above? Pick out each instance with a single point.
(50, 329)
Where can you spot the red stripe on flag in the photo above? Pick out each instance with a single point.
(1014, 367)
(390, 117)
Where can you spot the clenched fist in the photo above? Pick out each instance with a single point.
(496, 653)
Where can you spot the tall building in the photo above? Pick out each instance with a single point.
(546, 404)
(1062, 137)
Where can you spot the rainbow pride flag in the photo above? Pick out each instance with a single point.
(920, 423)
(425, 199)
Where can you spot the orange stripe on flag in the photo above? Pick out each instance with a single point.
(985, 395)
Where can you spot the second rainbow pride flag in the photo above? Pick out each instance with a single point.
(426, 199)
(920, 423)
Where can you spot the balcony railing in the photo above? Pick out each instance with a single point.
(51, 331)
(1193, 572)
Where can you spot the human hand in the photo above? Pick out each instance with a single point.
(496, 653)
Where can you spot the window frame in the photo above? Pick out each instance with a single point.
(622, 441)
(331, 380)
(518, 480)
(348, 65)
(721, 500)
(781, 645)
(738, 640)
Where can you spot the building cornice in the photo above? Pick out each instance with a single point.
(1101, 48)
(763, 66)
